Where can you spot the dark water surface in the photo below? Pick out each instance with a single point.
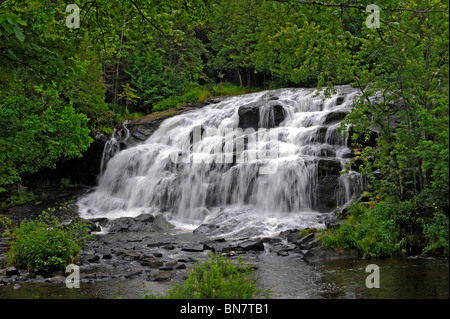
(290, 277)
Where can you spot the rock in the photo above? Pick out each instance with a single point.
(305, 239)
(141, 223)
(281, 249)
(272, 240)
(145, 218)
(193, 248)
(163, 275)
(327, 167)
(334, 117)
(319, 254)
(55, 279)
(250, 115)
(205, 229)
(151, 262)
(293, 237)
(186, 260)
(328, 171)
(168, 247)
(256, 245)
(107, 256)
(92, 258)
(340, 100)
(11, 271)
(17, 286)
(133, 274)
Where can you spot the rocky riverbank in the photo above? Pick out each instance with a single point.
(148, 248)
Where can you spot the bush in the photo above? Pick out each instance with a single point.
(369, 230)
(46, 245)
(218, 278)
(437, 233)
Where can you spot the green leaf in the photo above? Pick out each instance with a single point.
(19, 34)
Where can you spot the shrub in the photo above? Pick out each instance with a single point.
(369, 230)
(46, 245)
(218, 278)
(437, 233)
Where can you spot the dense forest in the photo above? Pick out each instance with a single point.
(60, 82)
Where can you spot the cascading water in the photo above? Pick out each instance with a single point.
(112, 147)
(252, 164)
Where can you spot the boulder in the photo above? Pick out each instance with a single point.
(328, 173)
(205, 229)
(194, 247)
(141, 223)
(11, 271)
(334, 117)
(163, 275)
(250, 115)
(255, 245)
(151, 262)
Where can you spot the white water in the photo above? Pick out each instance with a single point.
(152, 177)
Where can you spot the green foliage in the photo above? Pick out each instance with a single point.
(436, 231)
(218, 278)
(370, 231)
(18, 198)
(152, 82)
(45, 244)
(38, 132)
(199, 94)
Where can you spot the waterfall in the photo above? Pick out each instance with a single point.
(112, 146)
(258, 158)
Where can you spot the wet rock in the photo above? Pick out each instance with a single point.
(133, 274)
(11, 271)
(255, 245)
(163, 275)
(151, 262)
(281, 250)
(168, 247)
(293, 237)
(193, 247)
(249, 115)
(186, 260)
(205, 229)
(334, 117)
(141, 223)
(55, 279)
(319, 254)
(271, 240)
(92, 258)
(304, 240)
(340, 100)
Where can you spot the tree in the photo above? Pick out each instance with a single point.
(128, 95)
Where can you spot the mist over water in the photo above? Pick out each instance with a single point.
(201, 167)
